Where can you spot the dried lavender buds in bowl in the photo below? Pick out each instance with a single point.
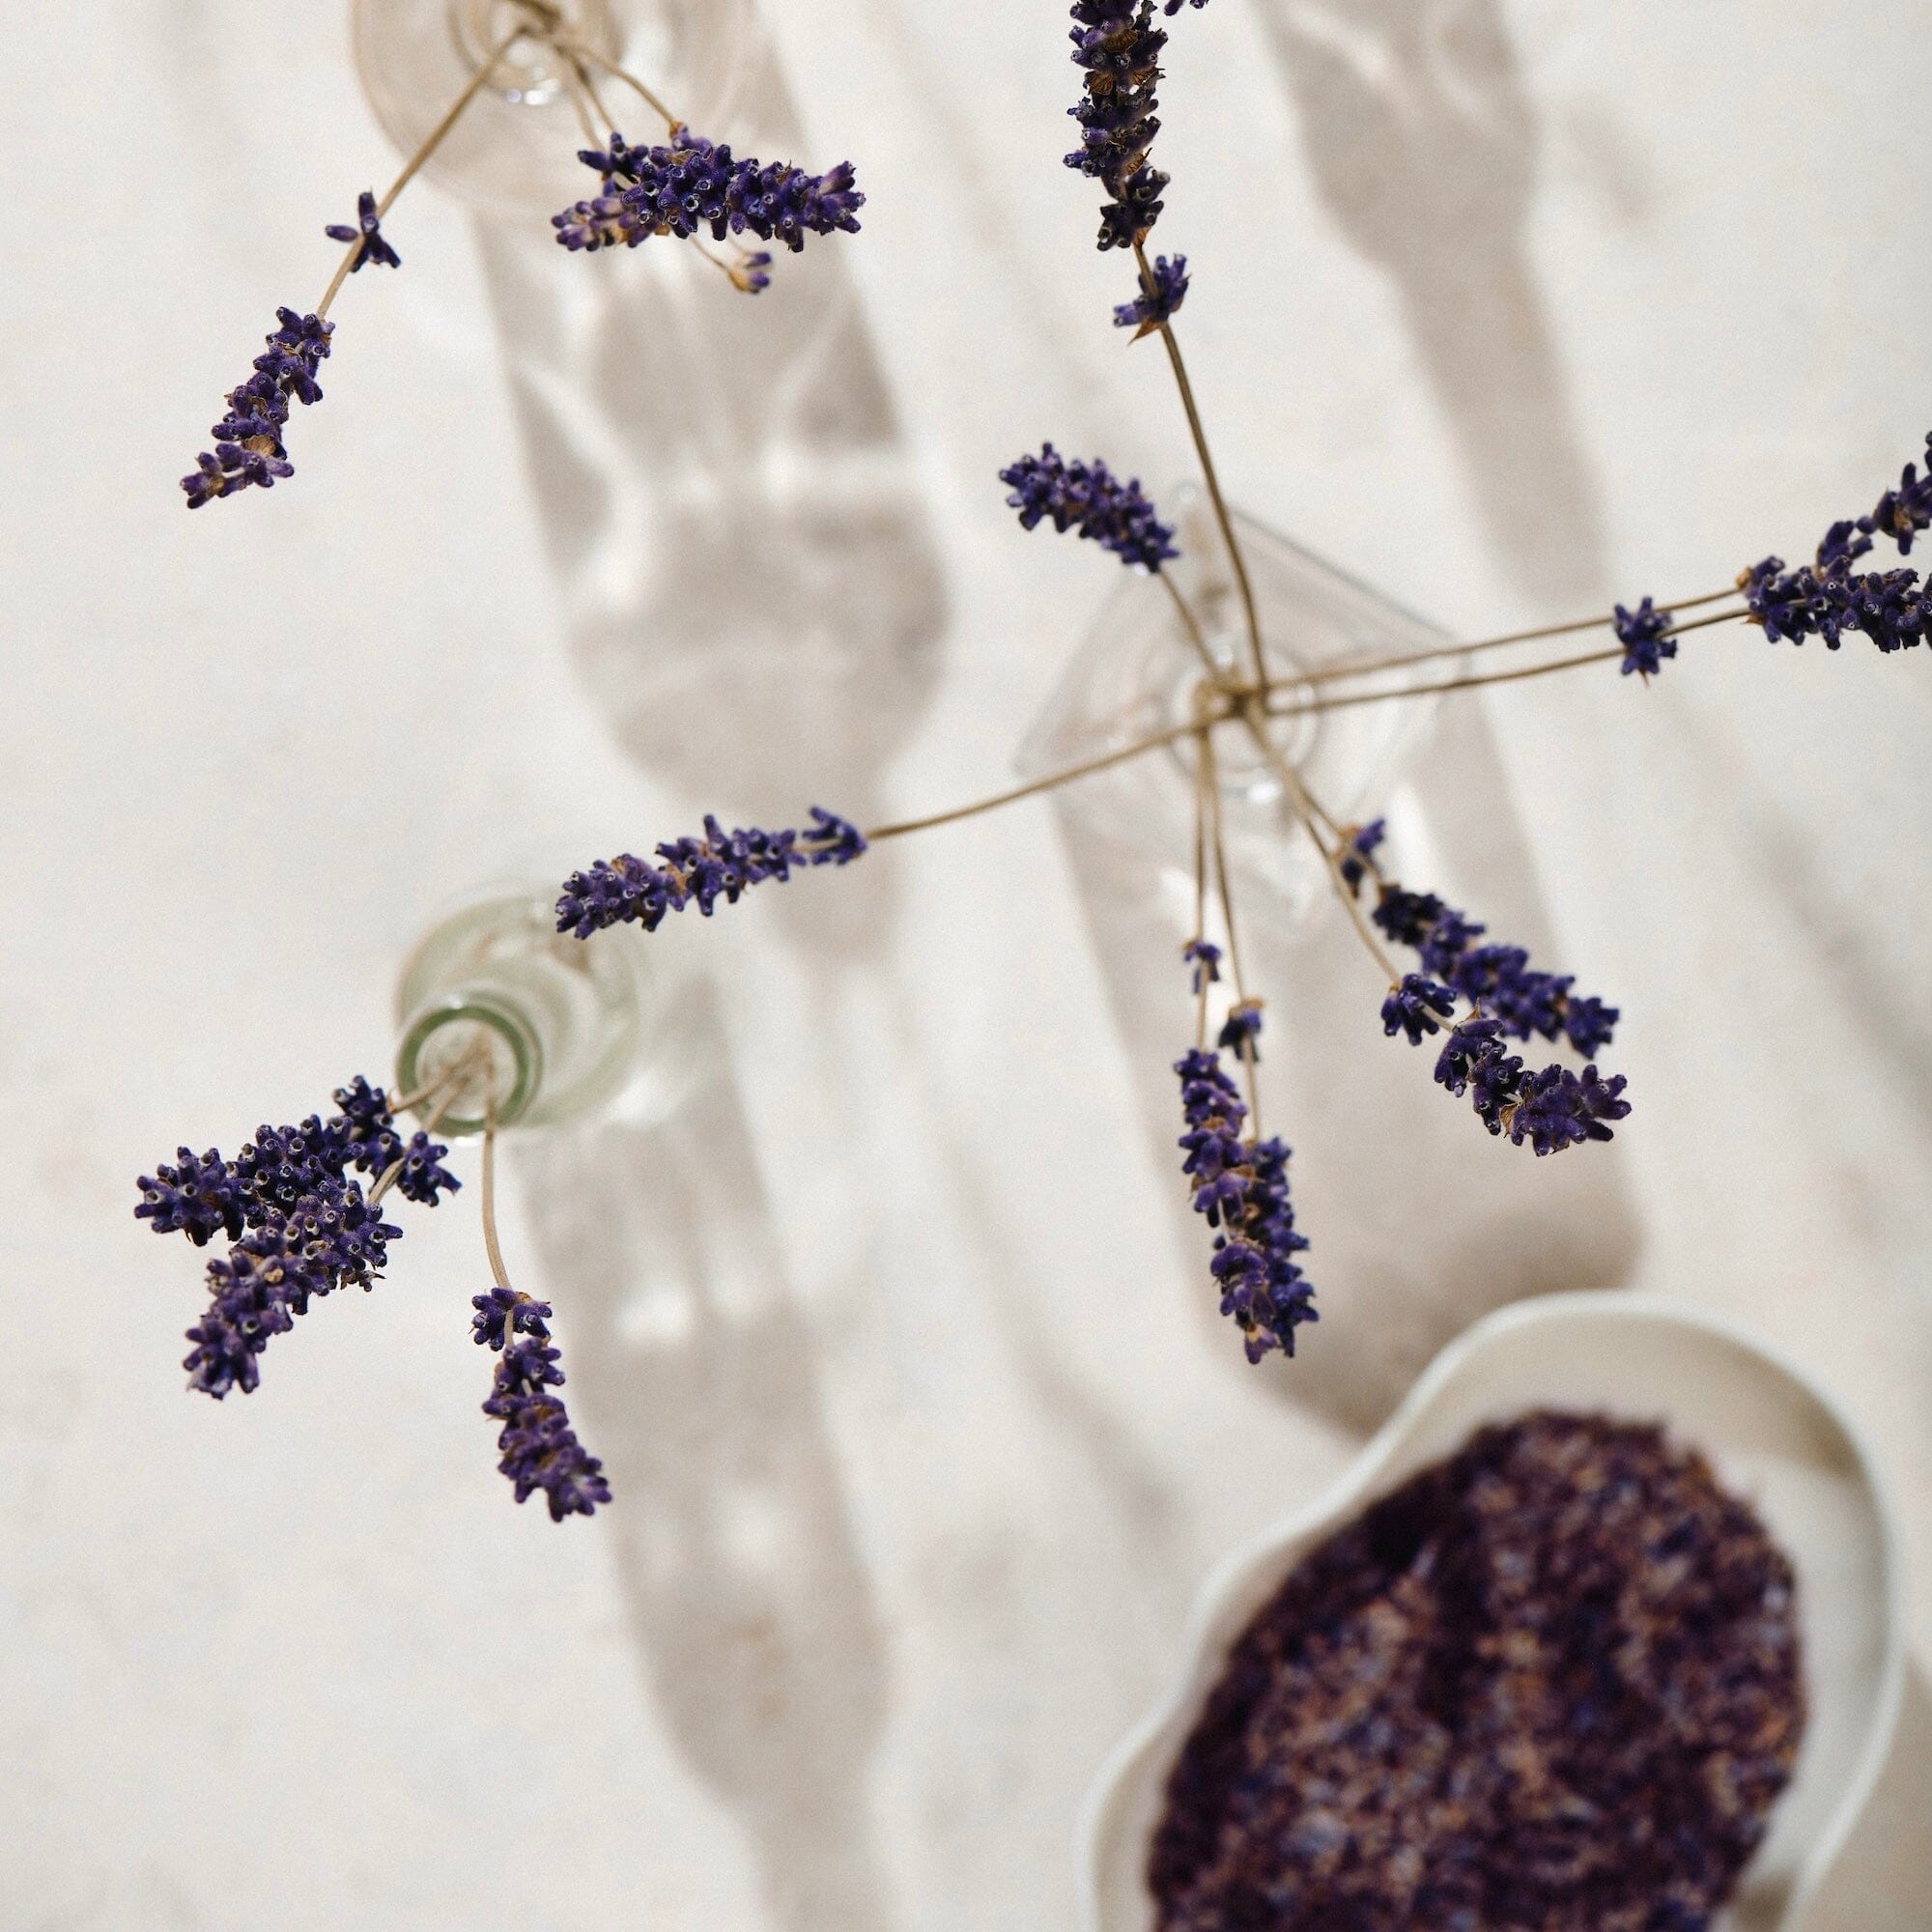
(1536, 1660)
(1550, 1682)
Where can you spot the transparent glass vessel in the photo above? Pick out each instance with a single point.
(552, 1026)
(1136, 673)
(514, 151)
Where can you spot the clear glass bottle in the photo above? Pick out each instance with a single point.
(556, 1026)
(514, 151)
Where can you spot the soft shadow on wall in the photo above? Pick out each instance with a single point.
(1424, 147)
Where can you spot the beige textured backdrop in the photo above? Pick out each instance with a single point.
(893, 1338)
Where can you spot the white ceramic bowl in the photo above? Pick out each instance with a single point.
(1772, 1438)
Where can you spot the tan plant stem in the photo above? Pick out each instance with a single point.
(576, 50)
(1290, 709)
(1328, 673)
(1211, 786)
(1191, 625)
(1204, 457)
(1064, 775)
(429, 144)
(488, 1204)
(1201, 755)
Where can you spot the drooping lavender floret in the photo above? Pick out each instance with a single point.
(1118, 46)
(1418, 1007)
(719, 866)
(1358, 851)
(199, 1197)
(1242, 1032)
(423, 1179)
(1088, 496)
(1153, 306)
(1552, 1108)
(1497, 979)
(1902, 513)
(689, 184)
(1203, 956)
(249, 446)
(368, 232)
(1240, 1186)
(540, 1448)
(1643, 633)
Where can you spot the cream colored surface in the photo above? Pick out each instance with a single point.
(894, 1342)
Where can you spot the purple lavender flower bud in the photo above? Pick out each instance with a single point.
(1241, 1031)
(1173, 7)
(540, 1450)
(719, 866)
(1407, 917)
(1902, 513)
(1152, 307)
(524, 1315)
(422, 1177)
(1559, 1109)
(1642, 634)
(368, 231)
(197, 1197)
(249, 446)
(1417, 1007)
(783, 203)
(605, 221)
(1205, 957)
(1118, 516)
(1357, 859)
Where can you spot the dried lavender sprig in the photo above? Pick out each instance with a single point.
(690, 184)
(721, 864)
(1118, 48)
(298, 1226)
(540, 1449)
(1090, 498)
(1240, 1186)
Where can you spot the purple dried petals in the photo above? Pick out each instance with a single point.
(1417, 1007)
(1240, 1187)
(1643, 633)
(1358, 852)
(1241, 1031)
(1153, 306)
(1118, 46)
(721, 864)
(1088, 496)
(373, 248)
(540, 1450)
(1202, 954)
(248, 449)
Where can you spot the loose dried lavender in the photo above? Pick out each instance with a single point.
(701, 870)
(1549, 1685)
(1645, 635)
(690, 185)
(1088, 496)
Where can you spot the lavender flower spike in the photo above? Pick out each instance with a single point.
(1088, 495)
(1241, 1188)
(1152, 307)
(540, 1448)
(1118, 45)
(719, 866)
(248, 439)
(368, 231)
